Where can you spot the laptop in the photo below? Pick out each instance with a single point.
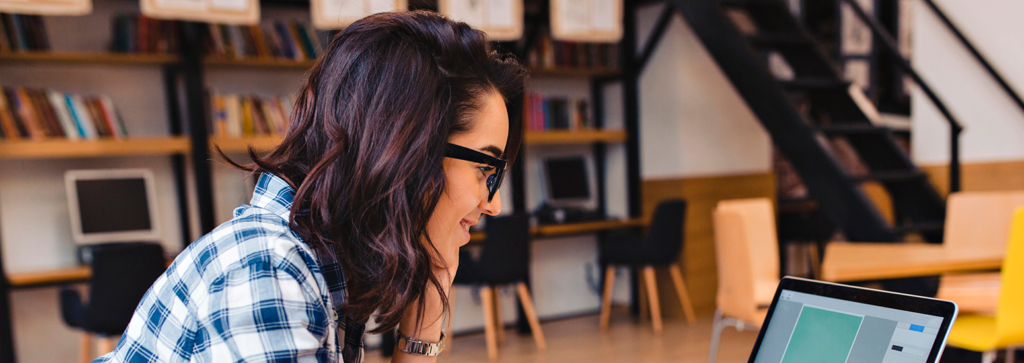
(820, 322)
(111, 206)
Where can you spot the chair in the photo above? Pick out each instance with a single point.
(504, 260)
(121, 275)
(987, 334)
(747, 253)
(661, 248)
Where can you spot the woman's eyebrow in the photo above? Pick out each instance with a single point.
(494, 150)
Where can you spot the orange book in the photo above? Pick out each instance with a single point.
(27, 114)
(106, 109)
(7, 120)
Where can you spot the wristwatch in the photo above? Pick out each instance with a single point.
(410, 346)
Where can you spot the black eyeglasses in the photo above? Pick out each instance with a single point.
(463, 153)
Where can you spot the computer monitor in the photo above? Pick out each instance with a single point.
(567, 180)
(116, 205)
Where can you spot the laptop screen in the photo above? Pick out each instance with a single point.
(814, 328)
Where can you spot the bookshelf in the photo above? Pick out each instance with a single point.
(260, 143)
(283, 63)
(574, 71)
(63, 148)
(574, 137)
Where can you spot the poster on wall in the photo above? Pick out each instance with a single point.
(46, 7)
(337, 14)
(501, 19)
(210, 11)
(586, 20)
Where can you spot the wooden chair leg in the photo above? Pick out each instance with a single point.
(486, 299)
(451, 316)
(684, 297)
(812, 251)
(652, 297)
(606, 298)
(499, 323)
(106, 345)
(85, 348)
(531, 315)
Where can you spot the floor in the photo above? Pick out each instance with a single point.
(580, 340)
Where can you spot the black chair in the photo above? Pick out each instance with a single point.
(504, 260)
(121, 275)
(661, 248)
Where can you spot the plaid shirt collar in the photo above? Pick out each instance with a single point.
(275, 195)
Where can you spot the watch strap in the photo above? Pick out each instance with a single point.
(418, 347)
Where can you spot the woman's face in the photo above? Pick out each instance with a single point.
(465, 197)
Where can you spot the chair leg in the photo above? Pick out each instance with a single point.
(531, 315)
(716, 335)
(812, 250)
(451, 316)
(85, 348)
(988, 356)
(486, 299)
(499, 323)
(684, 297)
(106, 345)
(606, 298)
(1011, 354)
(652, 297)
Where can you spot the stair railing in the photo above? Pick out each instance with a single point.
(955, 127)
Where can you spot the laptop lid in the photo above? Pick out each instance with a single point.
(821, 322)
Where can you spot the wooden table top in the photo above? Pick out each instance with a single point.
(549, 230)
(845, 261)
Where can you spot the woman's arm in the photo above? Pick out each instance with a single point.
(429, 328)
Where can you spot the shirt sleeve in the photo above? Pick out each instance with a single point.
(262, 312)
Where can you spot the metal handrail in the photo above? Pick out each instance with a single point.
(955, 126)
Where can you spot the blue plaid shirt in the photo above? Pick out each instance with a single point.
(249, 291)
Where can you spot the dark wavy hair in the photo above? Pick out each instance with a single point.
(365, 146)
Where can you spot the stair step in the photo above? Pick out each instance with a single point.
(779, 40)
(814, 84)
(893, 175)
(859, 128)
(930, 226)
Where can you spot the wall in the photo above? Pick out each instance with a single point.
(700, 142)
(993, 125)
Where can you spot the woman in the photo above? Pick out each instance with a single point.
(397, 146)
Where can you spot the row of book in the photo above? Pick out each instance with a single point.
(22, 32)
(137, 33)
(279, 39)
(247, 115)
(38, 114)
(556, 113)
(549, 53)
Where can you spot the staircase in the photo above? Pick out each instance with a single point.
(803, 113)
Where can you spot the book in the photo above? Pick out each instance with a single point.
(7, 123)
(46, 114)
(82, 116)
(26, 114)
(233, 113)
(114, 121)
(60, 107)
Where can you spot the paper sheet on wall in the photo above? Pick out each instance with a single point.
(337, 14)
(211, 11)
(499, 19)
(586, 20)
(47, 7)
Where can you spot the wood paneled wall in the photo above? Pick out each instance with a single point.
(988, 176)
(698, 257)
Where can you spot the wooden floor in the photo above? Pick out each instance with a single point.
(579, 340)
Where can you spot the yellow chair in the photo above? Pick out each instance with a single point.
(747, 253)
(987, 334)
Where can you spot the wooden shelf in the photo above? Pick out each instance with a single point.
(574, 137)
(574, 71)
(550, 230)
(49, 277)
(89, 57)
(283, 63)
(241, 145)
(63, 148)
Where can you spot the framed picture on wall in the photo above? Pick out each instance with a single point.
(586, 20)
(210, 11)
(500, 19)
(337, 14)
(46, 7)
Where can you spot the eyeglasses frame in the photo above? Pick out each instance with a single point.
(463, 153)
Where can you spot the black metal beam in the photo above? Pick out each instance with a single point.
(655, 38)
(631, 106)
(178, 163)
(195, 94)
(6, 330)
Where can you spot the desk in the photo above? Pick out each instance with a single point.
(845, 261)
(52, 277)
(548, 230)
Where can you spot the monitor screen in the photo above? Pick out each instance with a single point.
(113, 205)
(812, 328)
(567, 178)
